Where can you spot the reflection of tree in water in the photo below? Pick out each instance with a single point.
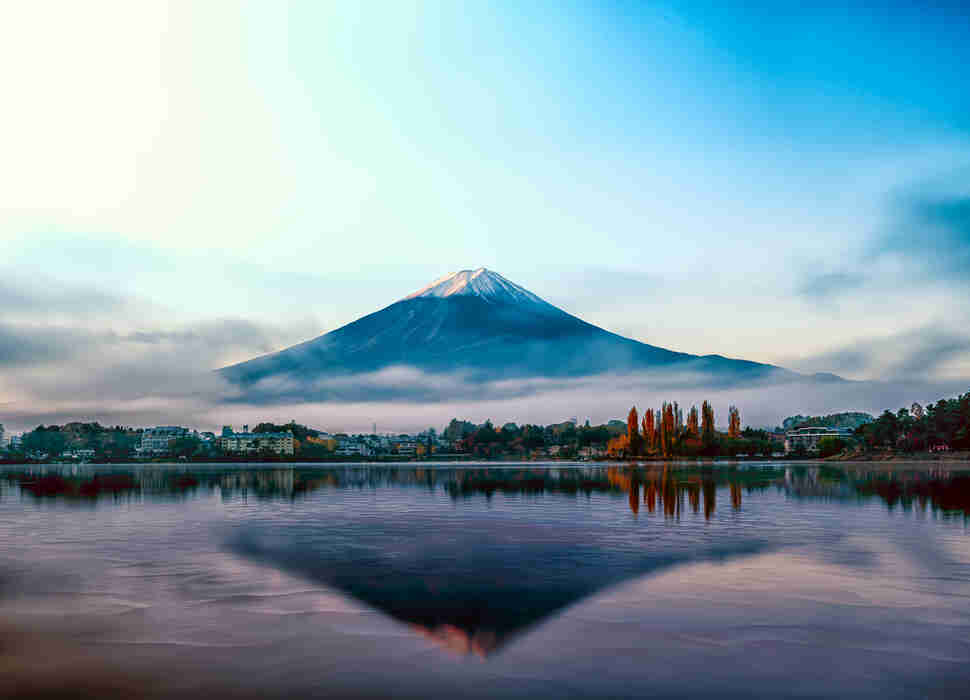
(670, 488)
(945, 493)
(666, 487)
(710, 497)
(54, 485)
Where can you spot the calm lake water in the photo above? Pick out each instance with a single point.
(484, 580)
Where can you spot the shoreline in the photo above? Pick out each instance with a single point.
(960, 460)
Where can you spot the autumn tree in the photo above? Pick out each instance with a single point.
(618, 446)
(633, 431)
(707, 425)
(649, 430)
(661, 433)
(692, 422)
(734, 423)
(667, 430)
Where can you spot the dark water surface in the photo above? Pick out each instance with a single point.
(556, 581)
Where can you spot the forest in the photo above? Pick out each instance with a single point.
(940, 426)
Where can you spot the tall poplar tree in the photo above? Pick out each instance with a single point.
(692, 422)
(734, 423)
(649, 437)
(633, 431)
(707, 424)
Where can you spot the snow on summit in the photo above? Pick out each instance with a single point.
(483, 283)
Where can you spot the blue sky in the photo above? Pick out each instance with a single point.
(780, 184)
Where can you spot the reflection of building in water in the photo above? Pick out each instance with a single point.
(274, 482)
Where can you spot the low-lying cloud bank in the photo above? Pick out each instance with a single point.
(403, 398)
(923, 354)
(91, 358)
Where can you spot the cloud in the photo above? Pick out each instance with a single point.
(921, 354)
(26, 346)
(924, 240)
(934, 232)
(152, 388)
(18, 295)
(829, 284)
(55, 372)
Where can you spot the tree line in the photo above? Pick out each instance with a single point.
(944, 425)
(664, 432)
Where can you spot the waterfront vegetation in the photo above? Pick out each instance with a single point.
(944, 425)
(663, 433)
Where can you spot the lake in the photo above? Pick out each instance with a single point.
(484, 580)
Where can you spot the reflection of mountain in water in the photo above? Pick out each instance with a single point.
(473, 578)
(472, 583)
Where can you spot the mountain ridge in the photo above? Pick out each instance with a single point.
(483, 326)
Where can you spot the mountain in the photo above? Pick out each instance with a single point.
(480, 325)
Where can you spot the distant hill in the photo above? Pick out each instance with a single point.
(834, 420)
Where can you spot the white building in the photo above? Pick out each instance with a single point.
(246, 442)
(160, 440)
(353, 448)
(407, 448)
(809, 438)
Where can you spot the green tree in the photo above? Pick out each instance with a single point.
(830, 446)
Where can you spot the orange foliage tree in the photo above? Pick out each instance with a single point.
(692, 422)
(618, 446)
(649, 430)
(707, 424)
(666, 431)
(734, 423)
(633, 431)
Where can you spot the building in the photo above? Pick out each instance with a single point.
(808, 439)
(161, 439)
(406, 448)
(249, 443)
(352, 448)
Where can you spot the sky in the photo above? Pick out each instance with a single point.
(184, 185)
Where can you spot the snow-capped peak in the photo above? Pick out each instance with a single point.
(483, 283)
